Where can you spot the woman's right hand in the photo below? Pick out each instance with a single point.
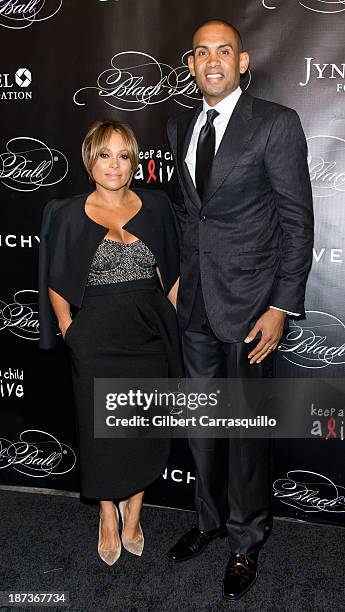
(62, 311)
(64, 326)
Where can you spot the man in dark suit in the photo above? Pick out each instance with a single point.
(245, 207)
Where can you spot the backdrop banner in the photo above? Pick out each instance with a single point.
(66, 64)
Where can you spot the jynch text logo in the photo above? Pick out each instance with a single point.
(323, 73)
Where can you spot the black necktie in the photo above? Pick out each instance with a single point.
(205, 152)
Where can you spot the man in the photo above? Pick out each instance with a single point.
(245, 208)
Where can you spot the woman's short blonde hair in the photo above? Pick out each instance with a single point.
(97, 138)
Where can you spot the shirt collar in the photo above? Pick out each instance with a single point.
(226, 106)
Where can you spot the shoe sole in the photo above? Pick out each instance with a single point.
(243, 592)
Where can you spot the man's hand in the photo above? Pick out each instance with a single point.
(271, 325)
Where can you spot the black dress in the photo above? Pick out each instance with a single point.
(126, 327)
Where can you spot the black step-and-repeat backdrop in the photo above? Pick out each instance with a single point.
(66, 63)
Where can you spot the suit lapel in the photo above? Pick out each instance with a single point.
(238, 133)
(185, 127)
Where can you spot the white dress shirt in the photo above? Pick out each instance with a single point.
(225, 109)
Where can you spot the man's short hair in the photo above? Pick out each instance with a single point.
(226, 24)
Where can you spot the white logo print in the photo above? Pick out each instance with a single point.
(329, 71)
(20, 317)
(28, 164)
(326, 160)
(310, 492)
(15, 86)
(20, 14)
(23, 77)
(317, 6)
(316, 343)
(137, 80)
(37, 453)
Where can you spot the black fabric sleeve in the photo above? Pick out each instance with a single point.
(174, 187)
(287, 168)
(169, 243)
(47, 320)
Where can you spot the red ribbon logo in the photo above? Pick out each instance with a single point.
(151, 166)
(331, 423)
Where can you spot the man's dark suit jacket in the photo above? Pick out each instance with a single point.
(251, 238)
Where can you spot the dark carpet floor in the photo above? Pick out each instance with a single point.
(50, 543)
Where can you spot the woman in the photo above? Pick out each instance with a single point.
(113, 254)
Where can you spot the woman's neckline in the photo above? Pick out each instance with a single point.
(122, 243)
(107, 228)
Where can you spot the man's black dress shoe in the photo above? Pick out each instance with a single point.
(241, 573)
(194, 543)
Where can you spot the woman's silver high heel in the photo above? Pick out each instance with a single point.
(136, 545)
(109, 556)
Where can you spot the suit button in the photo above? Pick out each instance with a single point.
(202, 217)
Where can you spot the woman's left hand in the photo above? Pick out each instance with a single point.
(172, 295)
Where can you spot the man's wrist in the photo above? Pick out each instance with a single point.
(278, 312)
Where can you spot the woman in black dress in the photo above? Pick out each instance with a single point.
(113, 254)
